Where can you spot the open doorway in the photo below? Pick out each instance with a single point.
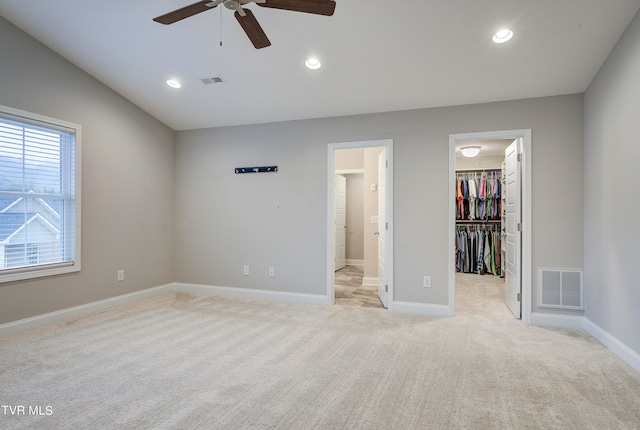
(480, 245)
(359, 239)
(490, 230)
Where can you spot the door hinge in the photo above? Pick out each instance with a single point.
(386, 163)
(386, 288)
(520, 156)
(519, 227)
(519, 297)
(386, 226)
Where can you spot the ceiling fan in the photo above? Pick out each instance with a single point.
(245, 17)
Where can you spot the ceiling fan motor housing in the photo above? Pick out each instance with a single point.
(232, 4)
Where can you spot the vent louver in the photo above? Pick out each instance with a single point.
(560, 288)
(212, 80)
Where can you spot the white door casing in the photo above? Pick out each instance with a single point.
(382, 227)
(513, 277)
(340, 217)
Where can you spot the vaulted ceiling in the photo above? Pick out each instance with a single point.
(376, 55)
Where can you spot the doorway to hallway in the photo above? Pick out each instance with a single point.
(372, 227)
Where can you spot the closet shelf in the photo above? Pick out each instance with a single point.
(492, 170)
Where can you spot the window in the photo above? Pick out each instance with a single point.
(39, 196)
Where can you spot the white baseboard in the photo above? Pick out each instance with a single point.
(613, 344)
(370, 281)
(352, 262)
(421, 309)
(583, 323)
(554, 320)
(247, 293)
(31, 323)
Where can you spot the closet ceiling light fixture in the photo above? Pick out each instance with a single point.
(502, 36)
(173, 83)
(470, 151)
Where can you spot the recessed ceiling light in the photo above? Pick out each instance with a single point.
(470, 151)
(173, 83)
(313, 63)
(502, 36)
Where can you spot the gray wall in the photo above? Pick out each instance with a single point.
(355, 216)
(370, 208)
(612, 231)
(224, 221)
(127, 180)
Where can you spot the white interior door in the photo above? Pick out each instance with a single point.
(513, 237)
(382, 228)
(340, 219)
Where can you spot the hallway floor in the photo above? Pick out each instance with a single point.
(350, 291)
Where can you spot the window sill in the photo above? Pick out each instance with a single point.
(23, 275)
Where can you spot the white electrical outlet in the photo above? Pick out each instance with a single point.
(426, 281)
(272, 272)
(245, 270)
(120, 275)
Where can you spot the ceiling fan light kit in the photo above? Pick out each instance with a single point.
(245, 17)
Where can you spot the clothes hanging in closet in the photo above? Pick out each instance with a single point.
(478, 249)
(478, 196)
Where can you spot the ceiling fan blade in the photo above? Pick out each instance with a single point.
(318, 7)
(250, 25)
(185, 12)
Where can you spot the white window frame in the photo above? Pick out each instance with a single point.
(30, 272)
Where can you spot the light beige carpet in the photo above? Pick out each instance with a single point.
(178, 361)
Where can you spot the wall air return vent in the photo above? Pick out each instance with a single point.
(560, 288)
(212, 80)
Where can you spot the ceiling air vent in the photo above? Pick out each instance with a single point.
(212, 80)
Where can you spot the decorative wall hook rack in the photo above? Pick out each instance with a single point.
(260, 169)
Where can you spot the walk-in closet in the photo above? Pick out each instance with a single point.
(479, 221)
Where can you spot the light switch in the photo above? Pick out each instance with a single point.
(374, 187)
(374, 219)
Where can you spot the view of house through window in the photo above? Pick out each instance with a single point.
(38, 204)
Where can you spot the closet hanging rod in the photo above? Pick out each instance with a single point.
(493, 226)
(478, 170)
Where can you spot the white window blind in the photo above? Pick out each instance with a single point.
(39, 205)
